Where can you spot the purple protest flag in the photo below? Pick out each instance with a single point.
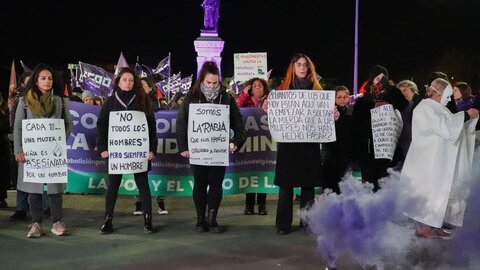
(96, 79)
(163, 68)
(163, 86)
(25, 68)
(73, 79)
(139, 71)
(269, 73)
(122, 62)
(186, 83)
(148, 70)
(175, 82)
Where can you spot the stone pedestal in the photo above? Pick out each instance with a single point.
(209, 47)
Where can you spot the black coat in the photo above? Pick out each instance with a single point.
(237, 123)
(298, 165)
(112, 105)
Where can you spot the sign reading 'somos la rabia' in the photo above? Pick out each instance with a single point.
(208, 134)
(128, 142)
(250, 65)
(45, 148)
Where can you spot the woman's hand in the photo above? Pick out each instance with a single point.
(246, 89)
(336, 113)
(185, 154)
(104, 154)
(151, 155)
(472, 112)
(20, 157)
(232, 148)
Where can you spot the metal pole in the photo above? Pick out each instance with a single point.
(355, 60)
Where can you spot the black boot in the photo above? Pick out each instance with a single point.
(147, 225)
(248, 209)
(201, 225)
(107, 226)
(212, 220)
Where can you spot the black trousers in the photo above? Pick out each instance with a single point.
(207, 187)
(285, 205)
(250, 198)
(36, 209)
(372, 172)
(141, 179)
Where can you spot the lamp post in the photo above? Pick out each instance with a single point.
(355, 57)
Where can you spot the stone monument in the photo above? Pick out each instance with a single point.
(209, 46)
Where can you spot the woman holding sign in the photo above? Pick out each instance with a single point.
(254, 94)
(207, 189)
(41, 101)
(297, 163)
(128, 98)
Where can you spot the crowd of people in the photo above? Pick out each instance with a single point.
(441, 119)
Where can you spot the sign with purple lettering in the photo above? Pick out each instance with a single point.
(128, 142)
(208, 134)
(45, 148)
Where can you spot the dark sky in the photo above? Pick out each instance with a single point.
(409, 37)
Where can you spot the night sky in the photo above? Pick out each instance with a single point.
(409, 37)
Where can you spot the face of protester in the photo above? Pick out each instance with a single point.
(407, 93)
(89, 100)
(301, 68)
(257, 89)
(341, 98)
(211, 81)
(145, 87)
(456, 93)
(126, 82)
(45, 81)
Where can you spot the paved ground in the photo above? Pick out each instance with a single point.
(250, 242)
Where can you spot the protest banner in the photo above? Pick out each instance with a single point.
(301, 115)
(208, 134)
(45, 149)
(386, 129)
(128, 142)
(249, 65)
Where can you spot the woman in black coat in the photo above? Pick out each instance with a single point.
(128, 95)
(298, 164)
(207, 188)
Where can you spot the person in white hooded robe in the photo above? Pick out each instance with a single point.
(439, 161)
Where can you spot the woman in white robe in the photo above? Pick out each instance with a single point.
(439, 161)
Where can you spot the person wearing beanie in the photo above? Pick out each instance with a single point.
(378, 92)
(87, 97)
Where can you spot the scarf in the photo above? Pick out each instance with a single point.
(39, 106)
(303, 84)
(210, 93)
(125, 98)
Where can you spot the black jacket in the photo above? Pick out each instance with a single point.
(236, 119)
(112, 105)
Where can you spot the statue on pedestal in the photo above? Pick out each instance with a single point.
(211, 14)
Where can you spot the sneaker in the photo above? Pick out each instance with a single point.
(58, 228)
(442, 233)
(138, 209)
(18, 215)
(248, 210)
(162, 211)
(35, 230)
(426, 232)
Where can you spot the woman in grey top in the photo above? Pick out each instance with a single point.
(41, 101)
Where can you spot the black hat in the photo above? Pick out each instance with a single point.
(375, 71)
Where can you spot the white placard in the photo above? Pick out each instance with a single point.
(208, 134)
(386, 129)
(128, 142)
(249, 65)
(301, 115)
(45, 148)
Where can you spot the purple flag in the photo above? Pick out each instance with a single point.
(186, 83)
(163, 68)
(175, 82)
(269, 73)
(96, 79)
(122, 62)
